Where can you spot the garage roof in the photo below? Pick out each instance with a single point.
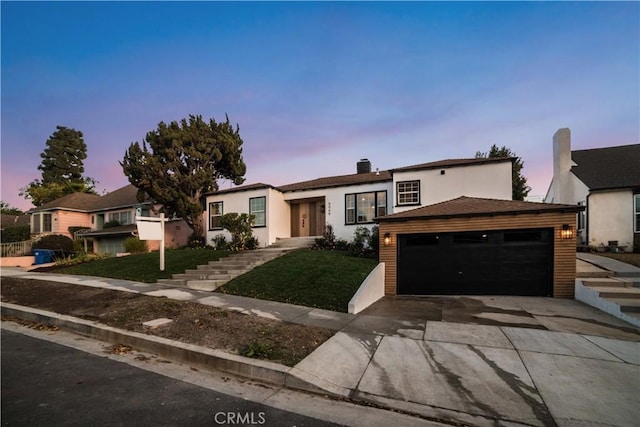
(473, 206)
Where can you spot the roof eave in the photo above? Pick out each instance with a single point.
(567, 209)
(453, 165)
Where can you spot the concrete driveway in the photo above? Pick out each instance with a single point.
(486, 360)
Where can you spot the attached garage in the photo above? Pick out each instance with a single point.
(471, 246)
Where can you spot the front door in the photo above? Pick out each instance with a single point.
(307, 218)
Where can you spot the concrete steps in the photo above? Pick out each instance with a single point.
(619, 296)
(211, 276)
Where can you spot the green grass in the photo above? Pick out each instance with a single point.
(144, 267)
(321, 279)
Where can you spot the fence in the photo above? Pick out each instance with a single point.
(16, 248)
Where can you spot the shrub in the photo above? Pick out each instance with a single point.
(135, 246)
(83, 258)
(636, 243)
(374, 241)
(111, 224)
(17, 233)
(239, 225)
(220, 242)
(342, 245)
(327, 241)
(195, 241)
(56, 242)
(360, 243)
(365, 242)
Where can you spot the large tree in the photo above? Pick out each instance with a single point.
(62, 168)
(179, 162)
(7, 209)
(519, 187)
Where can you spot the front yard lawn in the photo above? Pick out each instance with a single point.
(144, 267)
(322, 279)
(633, 259)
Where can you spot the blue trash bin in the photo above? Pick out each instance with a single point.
(43, 256)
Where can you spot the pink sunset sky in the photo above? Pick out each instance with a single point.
(317, 86)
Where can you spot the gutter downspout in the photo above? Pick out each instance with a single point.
(586, 211)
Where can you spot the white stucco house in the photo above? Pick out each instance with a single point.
(348, 201)
(606, 181)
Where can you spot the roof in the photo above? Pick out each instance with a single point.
(120, 198)
(120, 230)
(84, 202)
(608, 168)
(362, 178)
(453, 162)
(248, 187)
(8, 220)
(473, 206)
(338, 181)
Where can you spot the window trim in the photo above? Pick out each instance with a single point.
(264, 198)
(119, 213)
(220, 215)
(46, 222)
(355, 206)
(636, 212)
(417, 192)
(581, 221)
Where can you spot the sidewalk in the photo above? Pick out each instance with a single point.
(400, 354)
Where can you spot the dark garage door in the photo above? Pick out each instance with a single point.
(498, 262)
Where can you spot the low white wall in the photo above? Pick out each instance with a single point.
(370, 291)
(17, 261)
(591, 297)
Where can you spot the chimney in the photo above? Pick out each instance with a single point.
(562, 182)
(364, 166)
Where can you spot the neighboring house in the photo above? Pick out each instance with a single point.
(91, 211)
(606, 181)
(8, 220)
(348, 201)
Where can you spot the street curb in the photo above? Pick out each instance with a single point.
(208, 358)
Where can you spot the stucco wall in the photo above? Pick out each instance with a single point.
(335, 204)
(277, 214)
(610, 216)
(491, 181)
(62, 220)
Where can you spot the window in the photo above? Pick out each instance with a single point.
(522, 236)
(408, 192)
(258, 208)
(350, 209)
(362, 208)
(471, 237)
(36, 223)
(123, 218)
(636, 203)
(46, 223)
(215, 215)
(582, 216)
(381, 204)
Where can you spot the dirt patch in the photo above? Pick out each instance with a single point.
(212, 327)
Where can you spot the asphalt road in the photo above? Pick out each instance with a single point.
(44, 383)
